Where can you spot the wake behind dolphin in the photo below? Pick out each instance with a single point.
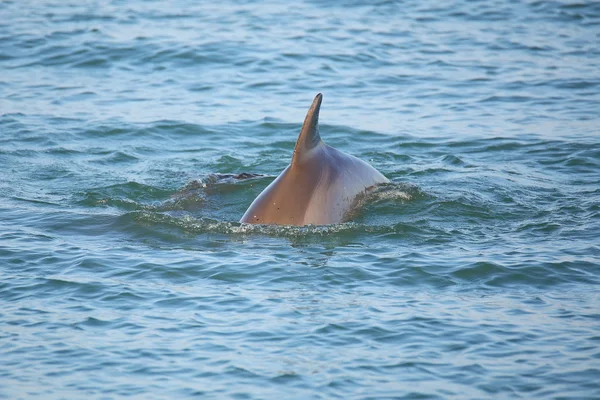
(319, 187)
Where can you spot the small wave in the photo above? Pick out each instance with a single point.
(204, 225)
(128, 196)
(390, 192)
(212, 179)
(214, 203)
(381, 196)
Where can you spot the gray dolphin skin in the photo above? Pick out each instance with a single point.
(320, 185)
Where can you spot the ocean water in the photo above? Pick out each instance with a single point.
(134, 135)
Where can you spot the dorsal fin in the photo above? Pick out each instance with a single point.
(309, 137)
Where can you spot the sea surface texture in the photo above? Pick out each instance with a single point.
(134, 135)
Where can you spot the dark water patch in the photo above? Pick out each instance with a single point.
(544, 275)
(51, 287)
(116, 157)
(507, 99)
(127, 196)
(187, 56)
(570, 84)
(64, 151)
(180, 129)
(453, 160)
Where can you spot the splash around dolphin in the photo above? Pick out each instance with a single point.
(319, 187)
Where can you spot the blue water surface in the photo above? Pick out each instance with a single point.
(134, 135)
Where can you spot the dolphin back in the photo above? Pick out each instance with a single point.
(318, 187)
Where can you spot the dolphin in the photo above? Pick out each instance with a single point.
(320, 185)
